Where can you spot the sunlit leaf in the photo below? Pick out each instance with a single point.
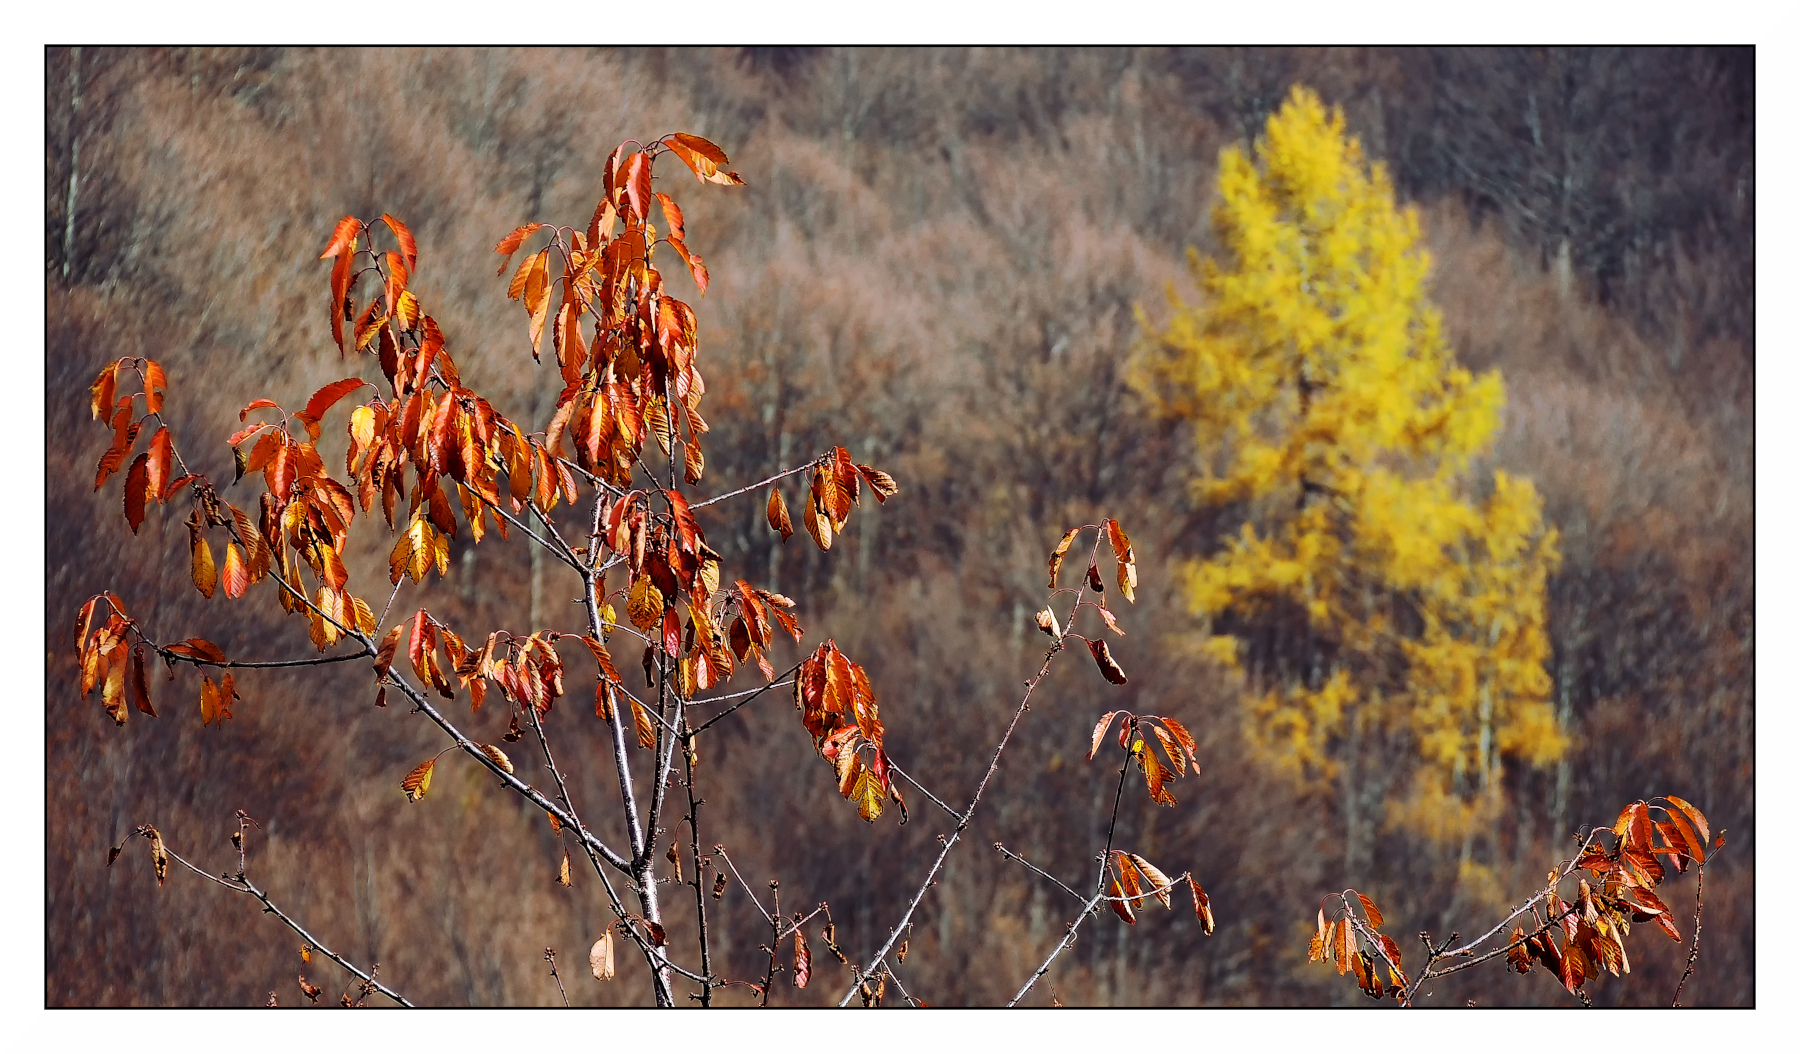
(204, 572)
(1100, 732)
(418, 781)
(343, 237)
(1061, 550)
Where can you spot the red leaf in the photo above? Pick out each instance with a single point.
(137, 487)
(802, 960)
(137, 685)
(161, 452)
(256, 405)
(154, 385)
(637, 184)
(323, 399)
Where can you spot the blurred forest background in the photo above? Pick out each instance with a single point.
(936, 262)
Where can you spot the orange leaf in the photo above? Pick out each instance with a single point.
(161, 452)
(510, 244)
(778, 514)
(237, 576)
(706, 160)
(1115, 900)
(343, 238)
(1062, 550)
(1693, 815)
(1370, 912)
(154, 386)
(1099, 732)
(1127, 562)
(646, 733)
(1203, 907)
(408, 247)
(209, 701)
(418, 781)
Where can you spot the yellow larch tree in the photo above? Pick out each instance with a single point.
(1384, 602)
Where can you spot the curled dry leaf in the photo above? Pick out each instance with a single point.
(1103, 659)
(312, 991)
(1061, 550)
(1203, 909)
(1126, 559)
(498, 757)
(718, 891)
(1046, 621)
(562, 873)
(159, 856)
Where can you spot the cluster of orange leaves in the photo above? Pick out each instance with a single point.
(632, 376)
(1594, 928)
(1574, 941)
(838, 707)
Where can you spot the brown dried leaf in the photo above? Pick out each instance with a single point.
(1046, 621)
(600, 957)
(1103, 659)
(1370, 912)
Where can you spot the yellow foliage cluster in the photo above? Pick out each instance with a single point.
(1331, 415)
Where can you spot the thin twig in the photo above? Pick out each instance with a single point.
(755, 486)
(727, 712)
(1068, 939)
(962, 822)
(241, 884)
(1694, 952)
(550, 957)
(939, 802)
(1009, 854)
